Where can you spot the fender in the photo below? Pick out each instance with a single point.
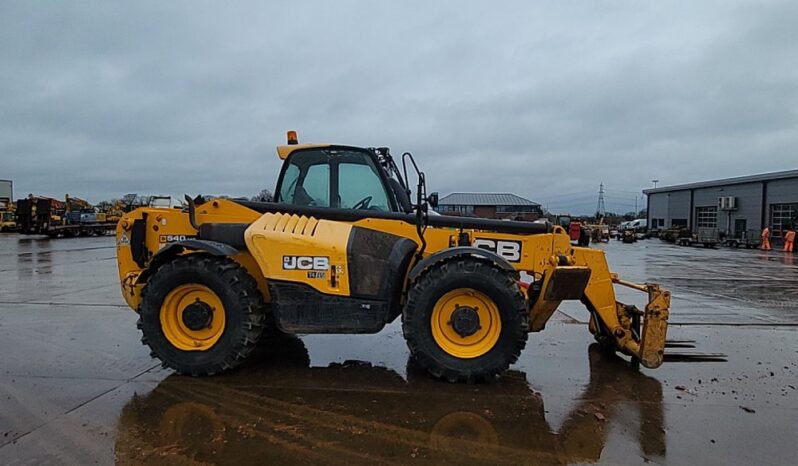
(215, 248)
(462, 251)
(172, 250)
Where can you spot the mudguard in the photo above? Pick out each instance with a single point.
(461, 251)
(169, 251)
(214, 248)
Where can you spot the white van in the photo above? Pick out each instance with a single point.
(638, 225)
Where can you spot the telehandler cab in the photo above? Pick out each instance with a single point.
(342, 249)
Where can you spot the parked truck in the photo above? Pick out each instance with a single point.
(39, 215)
(577, 230)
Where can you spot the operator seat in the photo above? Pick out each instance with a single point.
(301, 197)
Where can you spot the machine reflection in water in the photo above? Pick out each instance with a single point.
(281, 411)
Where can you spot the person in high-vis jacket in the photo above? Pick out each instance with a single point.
(766, 239)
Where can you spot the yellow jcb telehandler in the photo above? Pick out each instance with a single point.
(343, 249)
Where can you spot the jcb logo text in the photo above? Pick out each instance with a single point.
(510, 250)
(306, 263)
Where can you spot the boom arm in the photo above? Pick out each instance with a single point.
(637, 333)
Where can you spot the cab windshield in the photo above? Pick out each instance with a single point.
(337, 178)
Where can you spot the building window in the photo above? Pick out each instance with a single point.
(782, 216)
(518, 209)
(706, 217)
(458, 209)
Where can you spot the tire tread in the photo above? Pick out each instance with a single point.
(237, 279)
(428, 279)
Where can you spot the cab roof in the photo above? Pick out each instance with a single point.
(284, 151)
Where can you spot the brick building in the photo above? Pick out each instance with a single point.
(489, 205)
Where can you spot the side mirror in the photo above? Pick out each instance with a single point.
(432, 200)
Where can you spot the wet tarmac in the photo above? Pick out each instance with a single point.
(77, 387)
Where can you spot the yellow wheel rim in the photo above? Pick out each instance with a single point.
(180, 329)
(476, 341)
(462, 430)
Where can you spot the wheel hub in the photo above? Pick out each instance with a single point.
(197, 315)
(465, 321)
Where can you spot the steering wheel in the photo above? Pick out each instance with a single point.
(363, 203)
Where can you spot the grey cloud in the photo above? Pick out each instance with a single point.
(541, 99)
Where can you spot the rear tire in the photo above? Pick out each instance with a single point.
(465, 283)
(228, 335)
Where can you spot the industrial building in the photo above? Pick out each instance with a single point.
(489, 205)
(731, 205)
(6, 194)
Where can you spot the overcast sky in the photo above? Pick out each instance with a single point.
(542, 99)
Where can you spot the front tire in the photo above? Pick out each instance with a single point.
(465, 320)
(201, 315)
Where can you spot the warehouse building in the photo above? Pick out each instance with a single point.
(489, 205)
(731, 205)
